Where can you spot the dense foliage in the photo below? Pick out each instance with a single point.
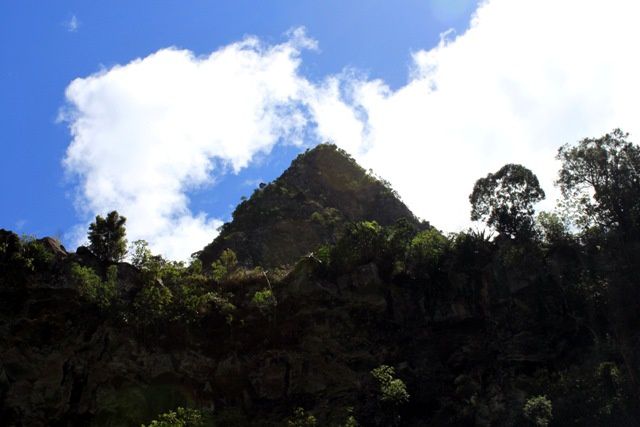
(505, 199)
(92, 288)
(107, 237)
(600, 180)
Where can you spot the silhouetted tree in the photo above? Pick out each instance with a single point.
(505, 199)
(107, 237)
(600, 179)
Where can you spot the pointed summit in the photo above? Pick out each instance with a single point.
(306, 207)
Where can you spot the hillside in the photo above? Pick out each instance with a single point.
(492, 327)
(388, 323)
(306, 207)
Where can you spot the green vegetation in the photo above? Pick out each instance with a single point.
(600, 181)
(301, 418)
(350, 422)
(181, 417)
(225, 265)
(359, 244)
(92, 288)
(538, 411)
(33, 254)
(425, 252)
(391, 395)
(20, 256)
(143, 258)
(392, 390)
(553, 228)
(107, 237)
(173, 292)
(265, 301)
(153, 303)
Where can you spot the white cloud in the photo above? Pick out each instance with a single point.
(72, 24)
(526, 77)
(146, 133)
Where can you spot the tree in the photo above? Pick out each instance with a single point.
(600, 180)
(141, 255)
(553, 228)
(505, 199)
(425, 252)
(225, 265)
(107, 237)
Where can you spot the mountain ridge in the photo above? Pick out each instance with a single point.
(307, 206)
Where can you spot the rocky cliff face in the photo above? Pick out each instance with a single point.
(477, 332)
(306, 207)
(470, 353)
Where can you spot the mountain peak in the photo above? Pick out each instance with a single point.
(306, 207)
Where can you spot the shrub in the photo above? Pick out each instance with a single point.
(471, 249)
(595, 394)
(425, 251)
(223, 304)
(393, 256)
(92, 288)
(301, 419)
(317, 217)
(392, 390)
(225, 265)
(194, 305)
(34, 254)
(20, 255)
(350, 422)
(143, 258)
(196, 266)
(360, 243)
(265, 301)
(181, 417)
(538, 411)
(153, 302)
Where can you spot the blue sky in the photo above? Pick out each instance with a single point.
(40, 55)
(387, 81)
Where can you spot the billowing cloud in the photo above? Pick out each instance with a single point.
(526, 77)
(146, 133)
